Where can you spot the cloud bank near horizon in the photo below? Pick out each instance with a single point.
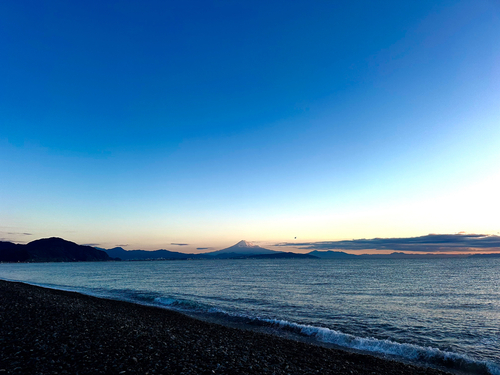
(431, 243)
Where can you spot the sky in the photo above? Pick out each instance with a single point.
(203, 123)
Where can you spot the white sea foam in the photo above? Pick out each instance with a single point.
(165, 301)
(416, 353)
(407, 351)
(234, 306)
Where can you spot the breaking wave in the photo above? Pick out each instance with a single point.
(420, 354)
(414, 353)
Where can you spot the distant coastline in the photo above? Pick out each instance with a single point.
(59, 250)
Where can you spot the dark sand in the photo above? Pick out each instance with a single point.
(45, 331)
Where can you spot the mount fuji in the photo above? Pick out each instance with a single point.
(241, 249)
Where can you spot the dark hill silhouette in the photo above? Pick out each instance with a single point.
(331, 254)
(50, 250)
(119, 252)
(492, 255)
(11, 252)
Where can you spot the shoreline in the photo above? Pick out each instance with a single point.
(53, 331)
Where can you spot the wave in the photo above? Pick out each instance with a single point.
(414, 353)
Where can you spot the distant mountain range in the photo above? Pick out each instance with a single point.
(247, 250)
(50, 250)
(492, 255)
(242, 249)
(329, 254)
(119, 252)
(59, 250)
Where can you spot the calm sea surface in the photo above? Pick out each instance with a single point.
(444, 312)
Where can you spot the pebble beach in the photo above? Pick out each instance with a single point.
(45, 331)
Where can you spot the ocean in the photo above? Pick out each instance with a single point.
(437, 312)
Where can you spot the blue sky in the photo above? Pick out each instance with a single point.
(210, 122)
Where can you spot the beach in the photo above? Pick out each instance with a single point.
(46, 331)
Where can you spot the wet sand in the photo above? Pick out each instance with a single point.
(44, 331)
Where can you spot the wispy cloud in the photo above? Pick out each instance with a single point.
(204, 248)
(179, 244)
(14, 236)
(429, 244)
(122, 245)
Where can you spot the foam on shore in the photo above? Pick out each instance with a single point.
(45, 330)
(428, 356)
(411, 352)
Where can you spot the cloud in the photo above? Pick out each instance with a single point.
(430, 243)
(122, 245)
(91, 244)
(179, 244)
(16, 235)
(204, 248)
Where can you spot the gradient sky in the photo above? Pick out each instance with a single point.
(206, 122)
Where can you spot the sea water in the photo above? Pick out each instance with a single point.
(442, 312)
